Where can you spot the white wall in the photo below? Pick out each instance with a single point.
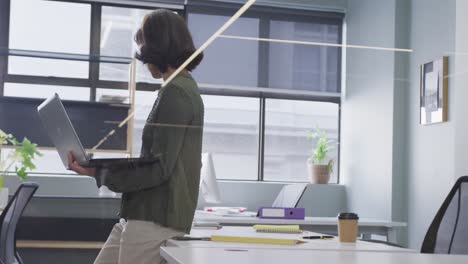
(431, 149)
(367, 110)
(460, 77)
(374, 111)
(393, 167)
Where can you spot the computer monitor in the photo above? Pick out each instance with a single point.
(209, 189)
(290, 195)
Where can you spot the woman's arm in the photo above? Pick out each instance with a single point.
(174, 114)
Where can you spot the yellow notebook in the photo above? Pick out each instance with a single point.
(290, 229)
(256, 240)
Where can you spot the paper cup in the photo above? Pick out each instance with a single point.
(348, 227)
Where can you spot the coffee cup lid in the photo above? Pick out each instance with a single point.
(348, 216)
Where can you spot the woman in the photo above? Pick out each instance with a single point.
(159, 197)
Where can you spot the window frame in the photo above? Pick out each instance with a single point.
(94, 59)
(265, 14)
(4, 40)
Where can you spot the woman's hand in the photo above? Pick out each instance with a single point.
(74, 166)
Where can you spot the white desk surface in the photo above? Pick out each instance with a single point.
(201, 216)
(312, 244)
(175, 255)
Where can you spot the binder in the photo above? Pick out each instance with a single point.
(281, 213)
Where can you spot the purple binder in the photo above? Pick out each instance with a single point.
(281, 213)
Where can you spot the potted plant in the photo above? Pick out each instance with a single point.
(21, 159)
(319, 166)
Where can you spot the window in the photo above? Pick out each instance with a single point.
(75, 80)
(230, 134)
(143, 104)
(50, 164)
(304, 67)
(118, 29)
(47, 67)
(45, 91)
(224, 56)
(50, 26)
(260, 96)
(103, 95)
(286, 145)
(272, 144)
(113, 72)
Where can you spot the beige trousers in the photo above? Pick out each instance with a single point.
(135, 242)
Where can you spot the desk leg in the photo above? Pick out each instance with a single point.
(392, 235)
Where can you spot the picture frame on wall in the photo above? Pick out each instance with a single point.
(434, 91)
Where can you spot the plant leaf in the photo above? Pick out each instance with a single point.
(21, 173)
(24, 154)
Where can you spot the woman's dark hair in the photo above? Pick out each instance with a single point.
(165, 40)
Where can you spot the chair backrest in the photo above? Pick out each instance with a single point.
(448, 233)
(9, 219)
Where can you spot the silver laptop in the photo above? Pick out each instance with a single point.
(62, 134)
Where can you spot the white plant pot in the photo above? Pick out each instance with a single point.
(3, 198)
(318, 174)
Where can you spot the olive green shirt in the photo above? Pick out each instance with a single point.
(164, 191)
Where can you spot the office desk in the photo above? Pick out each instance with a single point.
(174, 255)
(312, 244)
(326, 225)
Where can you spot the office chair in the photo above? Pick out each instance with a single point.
(448, 233)
(9, 219)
